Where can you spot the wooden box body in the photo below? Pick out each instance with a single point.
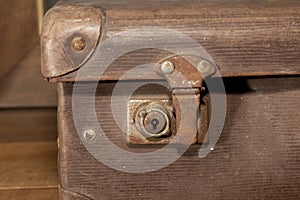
(255, 45)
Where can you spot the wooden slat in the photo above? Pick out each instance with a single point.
(28, 166)
(24, 87)
(18, 30)
(28, 125)
(37, 194)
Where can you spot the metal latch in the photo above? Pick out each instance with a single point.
(184, 118)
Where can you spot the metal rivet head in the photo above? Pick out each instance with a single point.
(78, 43)
(89, 135)
(204, 66)
(167, 67)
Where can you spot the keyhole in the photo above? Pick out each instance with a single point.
(155, 123)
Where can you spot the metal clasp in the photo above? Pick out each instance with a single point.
(178, 120)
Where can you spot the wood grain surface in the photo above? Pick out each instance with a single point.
(244, 38)
(256, 157)
(28, 170)
(38, 194)
(28, 165)
(18, 30)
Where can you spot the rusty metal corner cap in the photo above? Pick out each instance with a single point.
(69, 36)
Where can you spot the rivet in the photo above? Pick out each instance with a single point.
(89, 135)
(78, 43)
(204, 66)
(167, 67)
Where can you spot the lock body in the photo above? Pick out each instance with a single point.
(142, 113)
(153, 120)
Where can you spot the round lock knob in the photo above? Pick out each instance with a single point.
(153, 121)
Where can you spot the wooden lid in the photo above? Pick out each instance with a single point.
(257, 38)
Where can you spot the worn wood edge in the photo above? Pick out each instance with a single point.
(115, 76)
(64, 193)
(69, 195)
(60, 141)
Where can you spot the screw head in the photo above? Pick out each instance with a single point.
(204, 66)
(167, 67)
(89, 135)
(78, 43)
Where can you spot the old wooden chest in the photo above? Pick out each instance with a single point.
(169, 99)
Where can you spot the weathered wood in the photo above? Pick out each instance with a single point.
(258, 153)
(18, 30)
(67, 195)
(256, 157)
(243, 38)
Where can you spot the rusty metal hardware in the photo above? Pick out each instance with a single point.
(153, 121)
(89, 135)
(140, 115)
(78, 43)
(176, 120)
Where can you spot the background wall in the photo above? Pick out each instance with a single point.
(50, 3)
(18, 31)
(28, 104)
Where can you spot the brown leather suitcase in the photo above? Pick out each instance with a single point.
(169, 99)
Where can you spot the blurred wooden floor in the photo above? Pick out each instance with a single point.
(28, 171)
(28, 150)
